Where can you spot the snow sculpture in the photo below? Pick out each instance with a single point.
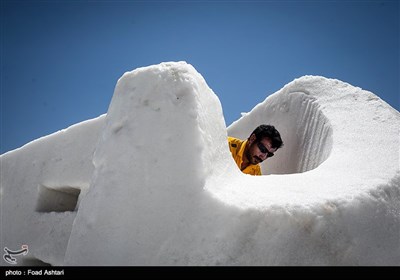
(164, 190)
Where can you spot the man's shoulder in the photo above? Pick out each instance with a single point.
(233, 139)
(234, 142)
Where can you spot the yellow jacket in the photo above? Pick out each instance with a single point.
(236, 146)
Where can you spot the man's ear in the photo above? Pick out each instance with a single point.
(252, 139)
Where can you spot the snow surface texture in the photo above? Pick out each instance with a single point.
(153, 182)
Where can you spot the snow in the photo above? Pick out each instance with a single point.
(152, 182)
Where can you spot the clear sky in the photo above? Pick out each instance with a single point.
(60, 60)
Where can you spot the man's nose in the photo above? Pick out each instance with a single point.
(263, 156)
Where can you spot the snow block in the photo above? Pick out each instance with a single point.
(163, 128)
(42, 184)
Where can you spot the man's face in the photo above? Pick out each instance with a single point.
(258, 150)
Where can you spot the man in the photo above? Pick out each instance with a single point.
(263, 142)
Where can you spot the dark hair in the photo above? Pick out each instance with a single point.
(271, 133)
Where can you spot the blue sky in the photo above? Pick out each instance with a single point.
(60, 60)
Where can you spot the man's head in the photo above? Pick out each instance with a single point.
(263, 142)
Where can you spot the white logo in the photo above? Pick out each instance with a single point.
(9, 255)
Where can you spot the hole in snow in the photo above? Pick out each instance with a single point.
(307, 135)
(59, 199)
(305, 131)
